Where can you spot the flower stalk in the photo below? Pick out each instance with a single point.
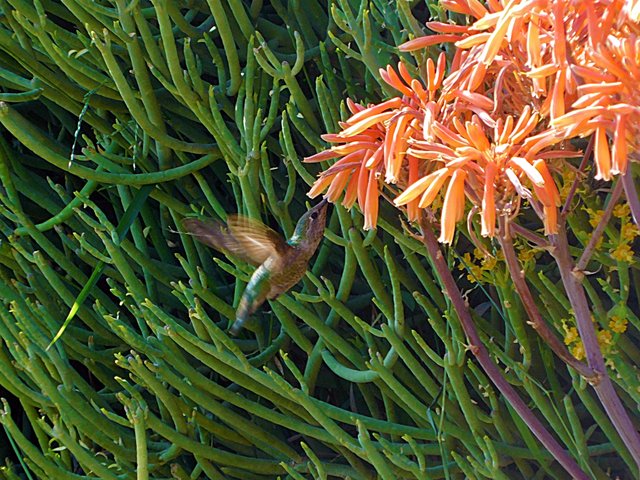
(572, 281)
(477, 348)
(529, 304)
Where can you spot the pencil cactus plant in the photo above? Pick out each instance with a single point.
(394, 358)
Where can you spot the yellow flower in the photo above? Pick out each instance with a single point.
(622, 253)
(594, 216)
(622, 210)
(578, 351)
(618, 324)
(604, 338)
(571, 335)
(628, 232)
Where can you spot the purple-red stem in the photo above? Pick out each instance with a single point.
(578, 180)
(599, 230)
(483, 358)
(603, 386)
(529, 304)
(632, 195)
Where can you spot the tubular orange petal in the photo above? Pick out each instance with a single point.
(391, 77)
(494, 42)
(533, 145)
(549, 184)
(619, 149)
(353, 147)
(506, 130)
(416, 188)
(594, 99)
(559, 47)
(488, 213)
(473, 40)
(363, 137)
(447, 136)
(366, 123)
(602, 155)
(556, 108)
(458, 6)
(441, 27)
(477, 137)
(488, 21)
(523, 119)
(431, 75)
(353, 106)
(528, 169)
(363, 177)
(412, 208)
(337, 185)
(351, 193)
(533, 44)
(452, 207)
(434, 188)
(371, 203)
(393, 103)
(404, 73)
(321, 156)
(431, 151)
(427, 123)
(542, 72)
(460, 162)
(476, 99)
(373, 160)
(440, 70)
(576, 116)
(427, 41)
(550, 220)
(397, 149)
(610, 88)
(477, 76)
(419, 90)
(521, 131)
(320, 185)
(477, 9)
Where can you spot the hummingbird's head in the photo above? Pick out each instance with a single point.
(310, 228)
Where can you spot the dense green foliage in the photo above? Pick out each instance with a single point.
(361, 371)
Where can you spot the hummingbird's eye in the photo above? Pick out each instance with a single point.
(314, 215)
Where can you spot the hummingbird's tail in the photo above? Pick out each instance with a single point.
(242, 314)
(254, 295)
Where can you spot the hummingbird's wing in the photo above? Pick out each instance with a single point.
(248, 239)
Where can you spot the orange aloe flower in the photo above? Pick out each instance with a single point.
(524, 76)
(494, 172)
(605, 56)
(374, 140)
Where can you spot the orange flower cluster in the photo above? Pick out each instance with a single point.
(526, 76)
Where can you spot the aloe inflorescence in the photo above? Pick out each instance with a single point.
(506, 350)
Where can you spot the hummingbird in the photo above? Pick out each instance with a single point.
(281, 263)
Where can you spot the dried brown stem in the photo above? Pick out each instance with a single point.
(529, 304)
(482, 356)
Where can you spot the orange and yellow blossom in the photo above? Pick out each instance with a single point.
(525, 75)
(423, 144)
(582, 60)
(604, 42)
(373, 143)
(495, 172)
